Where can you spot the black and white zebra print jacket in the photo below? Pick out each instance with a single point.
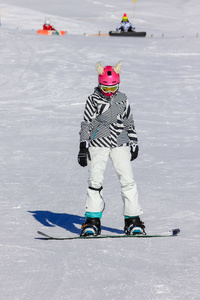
(108, 121)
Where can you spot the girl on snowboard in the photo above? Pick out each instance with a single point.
(47, 25)
(108, 131)
(125, 25)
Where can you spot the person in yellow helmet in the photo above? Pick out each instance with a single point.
(125, 25)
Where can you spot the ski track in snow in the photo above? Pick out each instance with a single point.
(44, 84)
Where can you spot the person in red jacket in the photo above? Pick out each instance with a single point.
(47, 25)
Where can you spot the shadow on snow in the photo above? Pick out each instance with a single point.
(69, 222)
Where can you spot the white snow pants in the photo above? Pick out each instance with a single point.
(120, 157)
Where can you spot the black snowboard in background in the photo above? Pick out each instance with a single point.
(132, 33)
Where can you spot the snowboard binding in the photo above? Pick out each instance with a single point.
(92, 226)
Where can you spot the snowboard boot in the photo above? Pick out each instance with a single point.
(133, 226)
(92, 226)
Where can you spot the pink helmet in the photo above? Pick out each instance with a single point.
(109, 76)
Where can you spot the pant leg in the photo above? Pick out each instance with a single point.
(97, 166)
(120, 157)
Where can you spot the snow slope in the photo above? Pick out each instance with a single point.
(44, 82)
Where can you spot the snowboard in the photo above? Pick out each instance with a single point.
(51, 32)
(129, 33)
(173, 232)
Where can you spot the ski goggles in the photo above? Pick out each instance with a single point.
(109, 89)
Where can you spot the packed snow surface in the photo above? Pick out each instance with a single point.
(44, 82)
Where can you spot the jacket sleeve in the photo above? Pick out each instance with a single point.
(119, 27)
(132, 27)
(88, 118)
(129, 124)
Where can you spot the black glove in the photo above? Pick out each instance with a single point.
(83, 154)
(134, 151)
